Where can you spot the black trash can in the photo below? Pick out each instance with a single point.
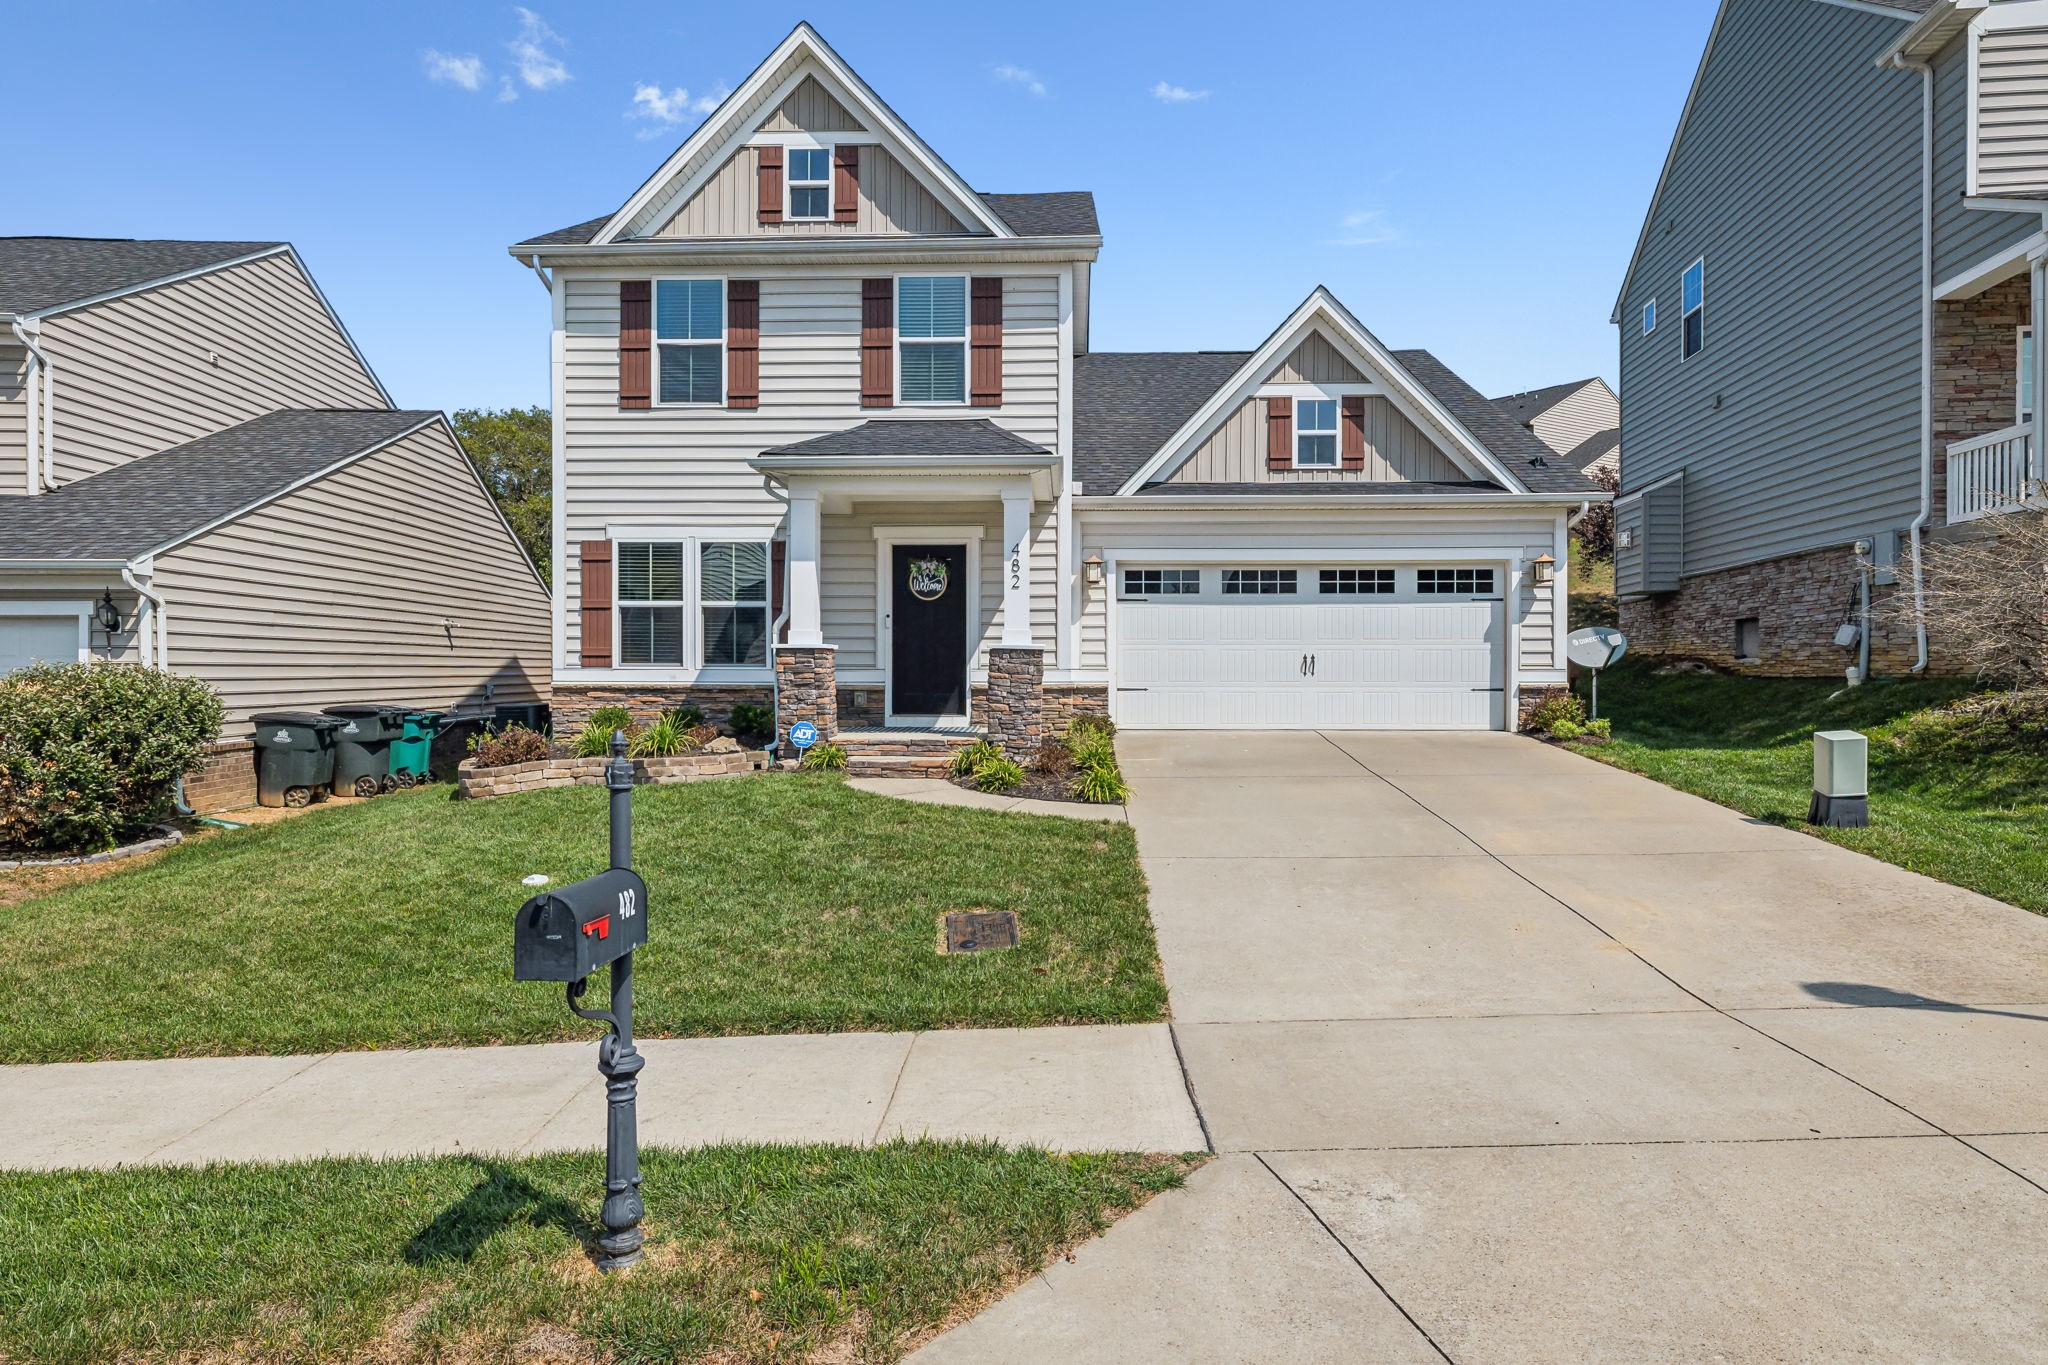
(295, 757)
(362, 745)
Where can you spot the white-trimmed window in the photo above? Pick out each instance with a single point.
(651, 603)
(1162, 582)
(692, 603)
(1455, 582)
(1315, 433)
(689, 338)
(2024, 389)
(1693, 296)
(1649, 317)
(810, 182)
(1259, 582)
(732, 593)
(931, 339)
(1354, 582)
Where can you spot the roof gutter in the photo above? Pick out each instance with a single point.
(58, 565)
(1929, 34)
(903, 464)
(769, 250)
(1126, 502)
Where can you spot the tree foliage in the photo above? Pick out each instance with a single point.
(1595, 531)
(513, 449)
(1987, 598)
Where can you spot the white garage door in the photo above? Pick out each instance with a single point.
(1211, 647)
(37, 639)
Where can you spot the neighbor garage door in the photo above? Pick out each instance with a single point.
(1213, 647)
(37, 639)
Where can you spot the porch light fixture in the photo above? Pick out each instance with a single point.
(106, 614)
(1092, 565)
(1544, 569)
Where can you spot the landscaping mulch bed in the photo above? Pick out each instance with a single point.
(1037, 786)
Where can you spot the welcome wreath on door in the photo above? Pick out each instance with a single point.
(928, 579)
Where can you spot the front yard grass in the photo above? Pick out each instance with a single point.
(753, 1254)
(1976, 816)
(782, 903)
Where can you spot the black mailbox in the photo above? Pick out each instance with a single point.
(566, 935)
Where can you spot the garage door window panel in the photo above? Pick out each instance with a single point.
(1354, 582)
(1260, 582)
(1455, 582)
(1162, 582)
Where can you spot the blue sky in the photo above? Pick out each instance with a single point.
(1468, 178)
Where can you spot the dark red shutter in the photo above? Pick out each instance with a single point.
(877, 343)
(1279, 434)
(743, 343)
(846, 182)
(778, 575)
(636, 343)
(986, 373)
(769, 176)
(1354, 431)
(596, 632)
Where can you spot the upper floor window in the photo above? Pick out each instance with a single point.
(1649, 317)
(810, 182)
(1315, 433)
(1694, 289)
(931, 339)
(689, 336)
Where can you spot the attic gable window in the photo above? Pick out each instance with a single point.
(810, 183)
(1315, 433)
(689, 333)
(1694, 289)
(931, 339)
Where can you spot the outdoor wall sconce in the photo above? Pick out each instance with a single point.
(1544, 569)
(1092, 565)
(106, 614)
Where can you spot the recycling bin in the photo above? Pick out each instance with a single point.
(412, 753)
(295, 757)
(362, 745)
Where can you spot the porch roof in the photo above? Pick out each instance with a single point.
(941, 437)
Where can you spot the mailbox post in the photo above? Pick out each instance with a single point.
(566, 935)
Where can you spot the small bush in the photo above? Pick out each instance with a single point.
(689, 717)
(2014, 723)
(1592, 732)
(1090, 724)
(665, 738)
(1103, 786)
(970, 760)
(594, 740)
(1559, 708)
(612, 718)
(751, 720)
(1053, 758)
(829, 758)
(92, 753)
(999, 774)
(513, 744)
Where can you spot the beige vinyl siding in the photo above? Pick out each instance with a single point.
(1963, 236)
(150, 370)
(811, 108)
(1565, 426)
(13, 420)
(1316, 361)
(687, 467)
(2012, 110)
(1386, 534)
(892, 203)
(1396, 451)
(325, 596)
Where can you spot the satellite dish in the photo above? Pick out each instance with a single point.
(1596, 647)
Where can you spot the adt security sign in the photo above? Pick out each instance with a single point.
(803, 734)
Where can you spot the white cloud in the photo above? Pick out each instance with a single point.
(540, 67)
(1177, 94)
(466, 71)
(1020, 75)
(1366, 227)
(666, 108)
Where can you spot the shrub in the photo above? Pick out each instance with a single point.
(91, 753)
(612, 718)
(513, 744)
(1053, 758)
(1090, 724)
(1104, 786)
(970, 760)
(1559, 708)
(998, 774)
(665, 738)
(751, 720)
(689, 717)
(829, 758)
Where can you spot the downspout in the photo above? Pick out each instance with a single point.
(779, 491)
(1571, 522)
(1917, 531)
(153, 651)
(533, 263)
(37, 459)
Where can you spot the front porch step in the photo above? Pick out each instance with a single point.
(903, 753)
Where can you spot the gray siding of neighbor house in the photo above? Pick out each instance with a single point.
(13, 420)
(323, 596)
(1963, 236)
(150, 370)
(1797, 180)
(2012, 110)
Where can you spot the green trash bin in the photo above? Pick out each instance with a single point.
(295, 757)
(412, 754)
(362, 745)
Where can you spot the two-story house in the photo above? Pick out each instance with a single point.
(1580, 421)
(1826, 330)
(199, 471)
(829, 431)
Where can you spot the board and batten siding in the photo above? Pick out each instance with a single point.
(1797, 179)
(1396, 451)
(147, 371)
(2012, 110)
(13, 420)
(1378, 535)
(811, 108)
(892, 203)
(687, 467)
(1316, 361)
(1963, 237)
(324, 596)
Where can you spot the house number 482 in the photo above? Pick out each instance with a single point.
(1017, 565)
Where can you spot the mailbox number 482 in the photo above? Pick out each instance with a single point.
(629, 903)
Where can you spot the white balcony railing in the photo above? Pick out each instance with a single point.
(1992, 475)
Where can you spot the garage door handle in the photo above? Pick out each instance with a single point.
(1134, 689)
(1489, 689)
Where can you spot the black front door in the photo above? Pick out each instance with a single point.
(928, 630)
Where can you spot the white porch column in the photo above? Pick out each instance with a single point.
(806, 617)
(1017, 567)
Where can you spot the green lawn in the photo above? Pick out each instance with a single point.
(782, 903)
(1963, 811)
(753, 1254)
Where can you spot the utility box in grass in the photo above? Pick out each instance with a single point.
(1841, 780)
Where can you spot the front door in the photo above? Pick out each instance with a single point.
(928, 631)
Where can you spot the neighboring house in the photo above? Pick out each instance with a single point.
(198, 470)
(828, 423)
(1580, 422)
(1826, 328)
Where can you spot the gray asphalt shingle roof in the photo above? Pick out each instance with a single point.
(1062, 213)
(1527, 407)
(1514, 445)
(1594, 447)
(43, 272)
(146, 504)
(932, 436)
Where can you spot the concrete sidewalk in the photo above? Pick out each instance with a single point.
(1074, 1089)
(937, 791)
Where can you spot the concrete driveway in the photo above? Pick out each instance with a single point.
(1512, 1057)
